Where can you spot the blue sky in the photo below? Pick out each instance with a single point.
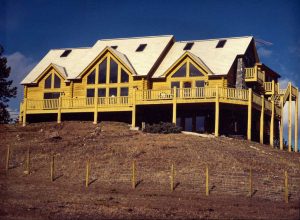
(28, 29)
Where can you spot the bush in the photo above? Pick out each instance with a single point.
(162, 128)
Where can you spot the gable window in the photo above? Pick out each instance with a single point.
(113, 76)
(221, 44)
(65, 53)
(52, 81)
(102, 72)
(141, 47)
(188, 46)
(181, 72)
(124, 76)
(194, 71)
(48, 82)
(91, 78)
(56, 81)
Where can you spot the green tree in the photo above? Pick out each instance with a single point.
(6, 89)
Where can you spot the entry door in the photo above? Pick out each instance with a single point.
(187, 89)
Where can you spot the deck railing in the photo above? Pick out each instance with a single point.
(254, 74)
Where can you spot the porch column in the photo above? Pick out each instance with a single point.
(133, 112)
(96, 107)
(290, 119)
(24, 111)
(217, 112)
(296, 121)
(281, 124)
(174, 106)
(262, 120)
(20, 114)
(59, 111)
(249, 115)
(272, 121)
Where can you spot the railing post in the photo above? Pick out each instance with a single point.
(20, 114)
(273, 87)
(290, 119)
(174, 105)
(96, 106)
(217, 112)
(24, 111)
(272, 120)
(249, 115)
(133, 112)
(296, 120)
(59, 110)
(281, 124)
(262, 120)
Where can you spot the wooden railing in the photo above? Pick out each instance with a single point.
(254, 74)
(250, 73)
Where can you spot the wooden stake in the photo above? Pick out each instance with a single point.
(250, 183)
(172, 177)
(7, 159)
(286, 188)
(52, 168)
(206, 182)
(27, 169)
(133, 181)
(87, 176)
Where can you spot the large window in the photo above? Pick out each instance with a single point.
(90, 92)
(52, 81)
(124, 77)
(113, 76)
(101, 92)
(102, 72)
(124, 91)
(194, 71)
(113, 92)
(91, 78)
(181, 72)
(51, 95)
(48, 82)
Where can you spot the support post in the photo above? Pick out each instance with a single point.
(24, 111)
(27, 168)
(272, 121)
(249, 115)
(172, 177)
(7, 159)
(296, 121)
(290, 119)
(52, 168)
(96, 107)
(286, 188)
(87, 175)
(133, 178)
(133, 112)
(262, 120)
(206, 181)
(217, 112)
(281, 124)
(59, 110)
(20, 114)
(174, 106)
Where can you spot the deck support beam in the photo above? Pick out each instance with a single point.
(249, 115)
(281, 125)
(59, 111)
(272, 121)
(290, 119)
(133, 112)
(262, 120)
(217, 112)
(24, 112)
(96, 107)
(296, 121)
(174, 112)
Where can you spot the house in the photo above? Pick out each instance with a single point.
(216, 85)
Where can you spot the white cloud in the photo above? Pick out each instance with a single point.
(263, 52)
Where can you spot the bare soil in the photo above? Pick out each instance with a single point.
(111, 148)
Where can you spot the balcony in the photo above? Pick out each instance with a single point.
(254, 74)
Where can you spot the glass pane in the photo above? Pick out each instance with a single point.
(194, 71)
(56, 81)
(51, 95)
(113, 92)
(113, 77)
(90, 92)
(48, 82)
(124, 91)
(91, 78)
(102, 92)
(181, 72)
(175, 84)
(200, 123)
(200, 83)
(187, 85)
(124, 76)
(102, 71)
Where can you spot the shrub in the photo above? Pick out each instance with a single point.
(162, 128)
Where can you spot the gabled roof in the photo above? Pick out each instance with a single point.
(79, 58)
(218, 60)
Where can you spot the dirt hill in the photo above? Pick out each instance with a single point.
(111, 148)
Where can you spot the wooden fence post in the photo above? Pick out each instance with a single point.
(172, 177)
(52, 168)
(27, 168)
(87, 176)
(250, 183)
(7, 159)
(286, 188)
(206, 182)
(133, 179)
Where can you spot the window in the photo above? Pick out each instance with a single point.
(56, 81)
(91, 78)
(65, 53)
(114, 47)
(181, 72)
(101, 92)
(90, 92)
(175, 84)
(102, 72)
(141, 47)
(124, 91)
(113, 76)
(51, 95)
(194, 71)
(48, 82)
(200, 83)
(221, 44)
(188, 46)
(124, 76)
(113, 92)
